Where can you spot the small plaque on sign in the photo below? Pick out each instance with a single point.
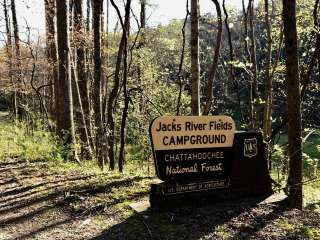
(193, 147)
(196, 187)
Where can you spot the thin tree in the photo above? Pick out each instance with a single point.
(253, 54)
(268, 77)
(183, 31)
(97, 91)
(64, 101)
(51, 50)
(17, 58)
(294, 104)
(246, 31)
(195, 64)
(317, 26)
(143, 22)
(126, 96)
(214, 66)
(9, 54)
(116, 86)
(231, 56)
(83, 126)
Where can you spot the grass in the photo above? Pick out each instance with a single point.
(291, 228)
(17, 140)
(311, 165)
(285, 224)
(221, 232)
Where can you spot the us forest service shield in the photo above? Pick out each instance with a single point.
(250, 147)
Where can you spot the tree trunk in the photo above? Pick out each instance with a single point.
(9, 54)
(16, 32)
(246, 32)
(317, 26)
(97, 101)
(231, 55)
(115, 89)
(254, 86)
(142, 22)
(19, 82)
(294, 105)
(83, 127)
(195, 65)
(213, 69)
(183, 31)
(65, 124)
(125, 92)
(268, 78)
(50, 11)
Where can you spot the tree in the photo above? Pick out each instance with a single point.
(214, 66)
(143, 21)
(126, 93)
(17, 97)
(116, 86)
(82, 107)
(97, 94)
(195, 65)
(64, 101)
(268, 78)
(9, 54)
(293, 104)
(182, 58)
(51, 50)
(317, 26)
(253, 54)
(231, 58)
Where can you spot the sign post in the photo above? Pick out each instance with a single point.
(200, 155)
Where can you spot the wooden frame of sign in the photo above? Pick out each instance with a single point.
(204, 158)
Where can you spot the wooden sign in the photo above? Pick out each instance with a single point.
(192, 147)
(205, 175)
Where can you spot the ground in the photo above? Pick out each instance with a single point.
(43, 199)
(38, 201)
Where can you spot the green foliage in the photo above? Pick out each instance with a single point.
(311, 153)
(19, 141)
(309, 232)
(153, 86)
(298, 229)
(285, 224)
(221, 232)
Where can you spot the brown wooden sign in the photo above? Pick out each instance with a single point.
(192, 148)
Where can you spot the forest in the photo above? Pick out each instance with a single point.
(77, 102)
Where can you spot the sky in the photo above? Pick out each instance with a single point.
(160, 12)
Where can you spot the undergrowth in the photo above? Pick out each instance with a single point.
(311, 166)
(20, 141)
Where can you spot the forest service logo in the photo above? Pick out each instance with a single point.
(250, 147)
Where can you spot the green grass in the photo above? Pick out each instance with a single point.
(19, 141)
(311, 166)
(307, 232)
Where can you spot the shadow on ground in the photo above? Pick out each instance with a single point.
(35, 203)
(218, 221)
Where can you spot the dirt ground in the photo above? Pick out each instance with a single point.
(37, 202)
